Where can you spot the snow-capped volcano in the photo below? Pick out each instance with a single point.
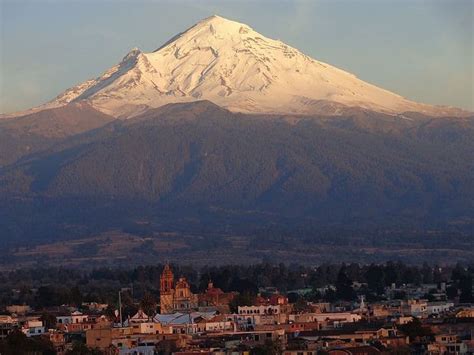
(235, 67)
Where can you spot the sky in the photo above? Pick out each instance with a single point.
(420, 49)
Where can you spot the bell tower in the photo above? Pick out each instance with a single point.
(166, 290)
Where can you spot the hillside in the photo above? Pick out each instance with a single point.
(24, 135)
(198, 166)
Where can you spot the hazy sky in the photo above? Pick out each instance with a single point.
(421, 49)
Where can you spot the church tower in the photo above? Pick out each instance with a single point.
(166, 290)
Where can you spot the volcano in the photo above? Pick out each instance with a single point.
(235, 67)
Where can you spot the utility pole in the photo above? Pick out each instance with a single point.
(120, 308)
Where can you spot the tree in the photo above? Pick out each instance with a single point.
(344, 290)
(301, 305)
(18, 343)
(451, 292)
(415, 329)
(79, 348)
(45, 297)
(75, 296)
(148, 304)
(242, 299)
(48, 320)
(465, 285)
(375, 278)
(271, 347)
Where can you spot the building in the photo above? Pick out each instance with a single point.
(447, 344)
(465, 313)
(183, 323)
(436, 308)
(175, 298)
(254, 310)
(18, 309)
(75, 317)
(327, 320)
(215, 297)
(416, 308)
(33, 328)
(7, 324)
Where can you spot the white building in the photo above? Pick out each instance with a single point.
(75, 317)
(33, 328)
(434, 308)
(416, 308)
(260, 310)
(337, 317)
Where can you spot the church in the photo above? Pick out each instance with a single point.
(175, 298)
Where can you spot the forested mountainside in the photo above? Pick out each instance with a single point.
(197, 164)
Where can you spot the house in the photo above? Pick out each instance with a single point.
(94, 306)
(103, 338)
(416, 308)
(58, 339)
(447, 344)
(75, 317)
(183, 323)
(403, 319)
(259, 310)
(465, 313)
(436, 308)
(33, 327)
(327, 320)
(218, 323)
(7, 324)
(18, 309)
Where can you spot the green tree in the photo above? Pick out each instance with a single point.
(344, 290)
(243, 299)
(375, 278)
(79, 348)
(415, 329)
(18, 343)
(271, 347)
(148, 304)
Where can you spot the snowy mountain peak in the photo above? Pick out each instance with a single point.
(217, 24)
(235, 67)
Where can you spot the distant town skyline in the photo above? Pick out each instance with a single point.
(420, 49)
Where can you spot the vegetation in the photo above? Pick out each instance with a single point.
(221, 170)
(17, 343)
(44, 288)
(415, 330)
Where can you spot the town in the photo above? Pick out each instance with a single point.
(333, 309)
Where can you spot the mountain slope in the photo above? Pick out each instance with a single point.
(198, 157)
(235, 67)
(28, 134)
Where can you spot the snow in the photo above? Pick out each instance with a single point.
(235, 67)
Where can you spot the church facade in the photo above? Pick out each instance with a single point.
(175, 297)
